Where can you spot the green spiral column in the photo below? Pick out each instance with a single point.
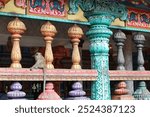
(100, 14)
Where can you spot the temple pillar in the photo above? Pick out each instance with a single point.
(100, 14)
(98, 35)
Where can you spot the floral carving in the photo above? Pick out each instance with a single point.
(98, 7)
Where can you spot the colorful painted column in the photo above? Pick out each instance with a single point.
(100, 14)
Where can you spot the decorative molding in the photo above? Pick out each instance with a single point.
(98, 7)
(138, 18)
(47, 8)
(129, 75)
(68, 21)
(24, 74)
(43, 18)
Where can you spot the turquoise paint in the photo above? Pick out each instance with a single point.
(100, 14)
(68, 21)
(98, 35)
(142, 93)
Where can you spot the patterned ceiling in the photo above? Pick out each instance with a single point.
(142, 4)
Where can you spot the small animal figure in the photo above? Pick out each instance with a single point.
(39, 61)
(40, 64)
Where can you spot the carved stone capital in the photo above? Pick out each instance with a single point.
(108, 9)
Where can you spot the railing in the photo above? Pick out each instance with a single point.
(24, 74)
(122, 75)
(76, 73)
(48, 72)
(129, 75)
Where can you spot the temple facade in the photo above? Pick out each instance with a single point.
(92, 49)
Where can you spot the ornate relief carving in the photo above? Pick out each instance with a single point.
(47, 7)
(98, 7)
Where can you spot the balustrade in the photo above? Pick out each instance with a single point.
(75, 33)
(119, 38)
(120, 93)
(76, 73)
(141, 93)
(16, 28)
(48, 31)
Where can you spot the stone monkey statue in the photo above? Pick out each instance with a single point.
(40, 64)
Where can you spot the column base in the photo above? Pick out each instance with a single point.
(16, 65)
(50, 66)
(75, 67)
